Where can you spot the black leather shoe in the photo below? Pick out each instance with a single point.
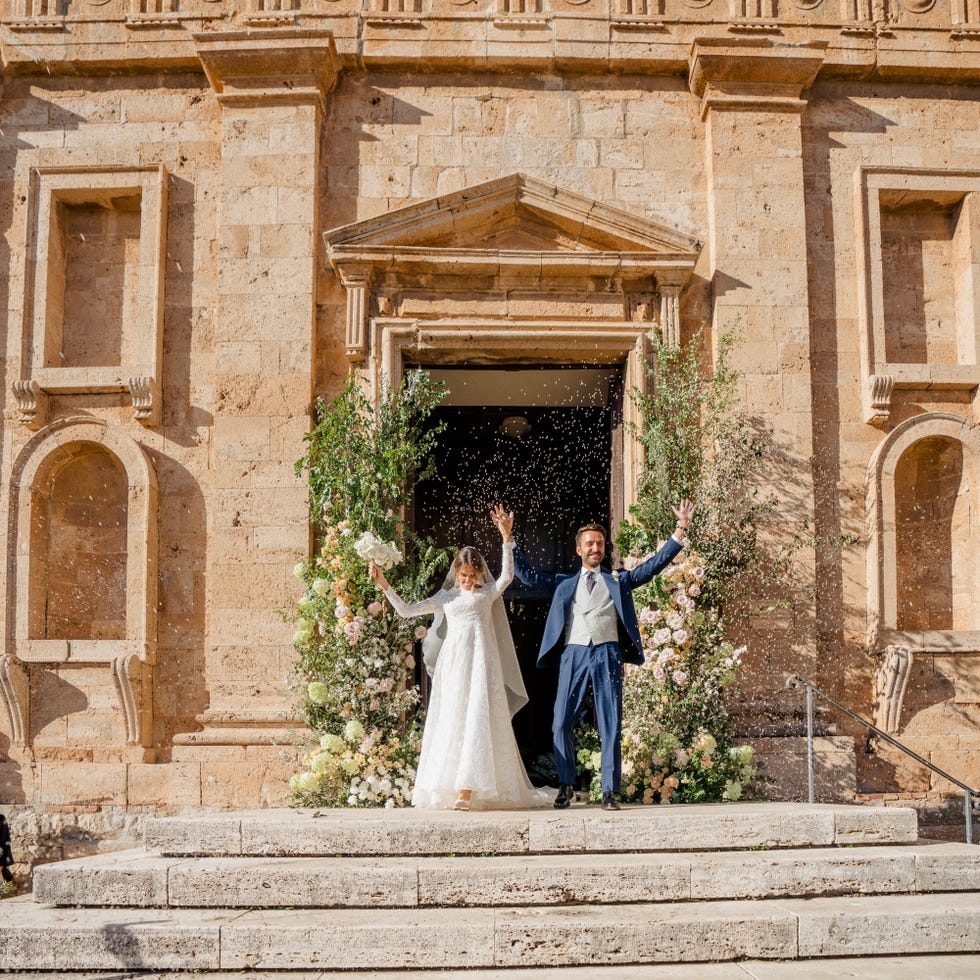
(565, 796)
(609, 802)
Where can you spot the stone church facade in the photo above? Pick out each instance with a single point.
(211, 214)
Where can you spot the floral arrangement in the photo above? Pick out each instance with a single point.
(372, 771)
(677, 741)
(678, 738)
(356, 662)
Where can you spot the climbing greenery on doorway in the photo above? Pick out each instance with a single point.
(355, 656)
(678, 738)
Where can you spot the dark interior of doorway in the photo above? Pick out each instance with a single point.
(555, 477)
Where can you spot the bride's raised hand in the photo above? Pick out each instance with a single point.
(503, 520)
(379, 576)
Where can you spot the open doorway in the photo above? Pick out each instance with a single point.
(541, 441)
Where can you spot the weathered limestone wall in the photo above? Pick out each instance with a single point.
(836, 200)
(906, 129)
(138, 121)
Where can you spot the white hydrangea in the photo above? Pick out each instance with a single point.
(383, 553)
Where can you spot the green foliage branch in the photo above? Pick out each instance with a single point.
(355, 656)
(678, 737)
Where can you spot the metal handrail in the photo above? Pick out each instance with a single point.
(794, 682)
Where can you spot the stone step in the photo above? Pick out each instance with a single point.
(44, 938)
(137, 879)
(918, 967)
(583, 829)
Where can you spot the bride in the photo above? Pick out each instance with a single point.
(469, 754)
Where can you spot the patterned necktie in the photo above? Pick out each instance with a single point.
(589, 582)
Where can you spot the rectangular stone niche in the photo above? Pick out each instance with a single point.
(919, 235)
(96, 287)
(924, 251)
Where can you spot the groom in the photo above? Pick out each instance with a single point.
(590, 631)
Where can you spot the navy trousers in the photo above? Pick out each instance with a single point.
(603, 666)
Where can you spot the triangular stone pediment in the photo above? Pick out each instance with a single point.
(514, 213)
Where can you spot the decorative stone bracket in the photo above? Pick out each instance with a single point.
(31, 400)
(133, 680)
(891, 679)
(32, 403)
(15, 692)
(145, 393)
(878, 398)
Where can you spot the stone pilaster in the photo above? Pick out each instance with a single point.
(271, 86)
(752, 95)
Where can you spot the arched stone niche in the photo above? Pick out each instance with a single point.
(82, 486)
(923, 507)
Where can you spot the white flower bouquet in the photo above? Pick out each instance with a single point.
(383, 553)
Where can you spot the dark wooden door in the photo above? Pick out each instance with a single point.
(555, 477)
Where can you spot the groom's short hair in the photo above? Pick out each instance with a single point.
(588, 527)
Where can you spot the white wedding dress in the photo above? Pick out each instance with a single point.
(468, 742)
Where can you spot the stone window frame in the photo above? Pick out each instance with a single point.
(879, 376)
(140, 377)
(882, 544)
(47, 449)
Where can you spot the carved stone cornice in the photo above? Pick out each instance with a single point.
(513, 232)
(753, 72)
(267, 67)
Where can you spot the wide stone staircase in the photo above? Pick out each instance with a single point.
(406, 891)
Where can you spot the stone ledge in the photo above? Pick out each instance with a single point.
(136, 879)
(880, 968)
(581, 829)
(61, 939)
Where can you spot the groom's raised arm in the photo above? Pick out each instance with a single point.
(656, 563)
(531, 576)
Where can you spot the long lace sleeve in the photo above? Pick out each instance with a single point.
(506, 568)
(409, 610)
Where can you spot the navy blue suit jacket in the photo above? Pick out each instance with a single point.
(620, 585)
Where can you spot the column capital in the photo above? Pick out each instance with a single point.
(269, 67)
(753, 73)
